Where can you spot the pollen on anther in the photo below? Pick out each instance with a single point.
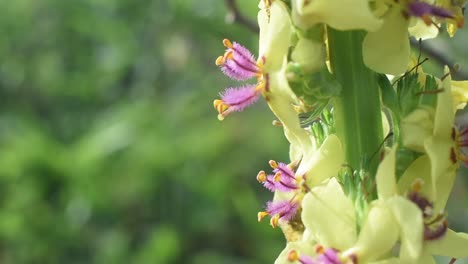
(219, 61)
(277, 177)
(227, 43)
(261, 176)
(319, 249)
(416, 186)
(274, 221)
(293, 255)
(273, 164)
(262, 215)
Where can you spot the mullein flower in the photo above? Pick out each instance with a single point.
(290, 186)
(390, 217)
(438, 239)
(240, 64)
(387, 50)
(236, 99)
(318, 166)
(439, 139)
(386, 46)
(330, 218)
(282, 180)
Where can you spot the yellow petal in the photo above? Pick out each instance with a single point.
(387, 50)
(417, 127)
(309, 54)
(452, 244)
(329, 215)
(280, 99)
(275, 32)
(459, 94)
(444, 115)
(419, 169)
(444, 188)
(339, 14)
(443, 169)
(324, 163)
(422, 31)
(386, 261)
(385, 177)
(378, 234)
(410, 220)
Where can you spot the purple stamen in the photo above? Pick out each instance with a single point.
(285, 170)
(285, 186)
(421, 202)
(243, 55)
(420, 9)
(304, 259)
(269, 183)
(285, 209)
(238, 62)
(436, 233)
(330, 256)
(239, 98)
(237, 71)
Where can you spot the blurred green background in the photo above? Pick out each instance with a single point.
(110, 149)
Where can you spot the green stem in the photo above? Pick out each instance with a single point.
(357, 110)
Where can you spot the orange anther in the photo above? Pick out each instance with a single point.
(217, 103)
(220, 106)
(293, 255)
(427, 19)
(319, 249)
(260, 86)
(227, 43)
(417, 185)
(228, 55)
(261, 176)
(277, 177)
(219, 61)
(273, 164)
(274, 221)
(261, 215)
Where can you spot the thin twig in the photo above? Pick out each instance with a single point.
(235, 16)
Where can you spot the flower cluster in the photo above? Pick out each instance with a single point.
(332, 212)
